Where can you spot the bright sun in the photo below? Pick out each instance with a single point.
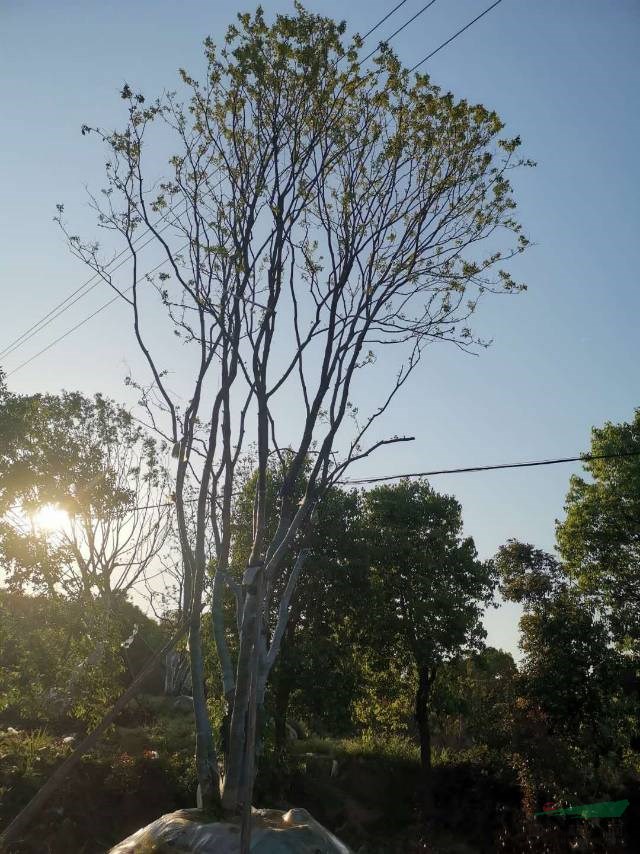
(51, 518)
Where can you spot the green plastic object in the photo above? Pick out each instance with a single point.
(605, 809)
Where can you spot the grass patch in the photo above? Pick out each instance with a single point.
(143, 767)
(393, 750)
(27, 753)
(167, 730)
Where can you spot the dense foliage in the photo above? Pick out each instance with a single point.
(62, 661)
(87, 461)
(318, 213)
(383, 667)
(599, 539)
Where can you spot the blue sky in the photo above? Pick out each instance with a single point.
(563, 75)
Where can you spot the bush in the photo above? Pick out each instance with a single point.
(63, 660)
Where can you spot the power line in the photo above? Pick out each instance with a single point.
(87, 319)
(48, 318)
(455, 35)
(382, 20)
(400, 29)
(84, 289)
(81, 291)
(64, 335)
(585, 458)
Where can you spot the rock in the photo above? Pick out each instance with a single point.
(183, 703)
(274, 832)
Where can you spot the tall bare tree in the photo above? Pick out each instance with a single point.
(315, 215)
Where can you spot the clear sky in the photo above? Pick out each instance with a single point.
(566, 354)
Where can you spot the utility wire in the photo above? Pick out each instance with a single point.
(64, 335)
(41, 325)
(400, 29)
(84, 289)
(48, 319)
(455, 35)
(80, 292)
(90, 317)
(382, 20)
(585, 458)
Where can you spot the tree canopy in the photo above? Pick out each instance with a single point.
(102, 472)
(315, 213)
(432, 588)
(599, 538)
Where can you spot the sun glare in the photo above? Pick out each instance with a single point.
(50, 518)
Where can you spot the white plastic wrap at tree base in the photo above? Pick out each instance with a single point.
(274, 832)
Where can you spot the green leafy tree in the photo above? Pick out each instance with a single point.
(87, 458)
(432, 587)
(528, 575)
(385, 703)
(472, 700)
(316, 668)
(87, 462)
(63, 658)
(599, 539)
(571, 671)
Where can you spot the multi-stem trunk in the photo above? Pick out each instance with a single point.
(234, 782)
(206, 762)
